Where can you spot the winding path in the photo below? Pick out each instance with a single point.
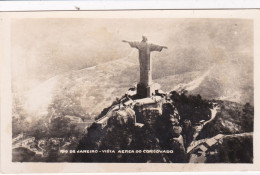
(195, 143)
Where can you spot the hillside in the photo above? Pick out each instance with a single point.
(178, 121)
(236, 148)
(175, 129)
(165, 130)
(232, 118)
(94, 88)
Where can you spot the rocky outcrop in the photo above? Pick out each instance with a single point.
(160, 124)
(160, 130)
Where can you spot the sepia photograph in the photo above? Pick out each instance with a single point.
(109, 89)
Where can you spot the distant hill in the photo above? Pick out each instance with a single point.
(92, 88)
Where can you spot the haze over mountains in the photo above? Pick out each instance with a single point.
(97, 87)
(85, 60)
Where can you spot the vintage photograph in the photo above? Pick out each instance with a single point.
(132, 90)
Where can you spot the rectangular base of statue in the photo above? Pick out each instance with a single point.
(145, 91)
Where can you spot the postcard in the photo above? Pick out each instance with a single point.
(130, 91)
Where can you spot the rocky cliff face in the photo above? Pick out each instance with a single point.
(149, 126)
(177, 123)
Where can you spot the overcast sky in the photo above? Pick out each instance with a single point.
(43, 48)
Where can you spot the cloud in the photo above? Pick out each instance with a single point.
(43, 48)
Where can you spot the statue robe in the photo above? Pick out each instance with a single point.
(145, 61)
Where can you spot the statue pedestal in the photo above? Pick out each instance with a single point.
(147, 91)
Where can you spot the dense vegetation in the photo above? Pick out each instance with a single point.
(234, 149)
(191, 107)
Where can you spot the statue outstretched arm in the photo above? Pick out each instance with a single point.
(132, 44)
(154, 47)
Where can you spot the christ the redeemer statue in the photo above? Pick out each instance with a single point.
(145, 87)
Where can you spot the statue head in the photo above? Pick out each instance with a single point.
(144, 38)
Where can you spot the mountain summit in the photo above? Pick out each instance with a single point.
(166, 127)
